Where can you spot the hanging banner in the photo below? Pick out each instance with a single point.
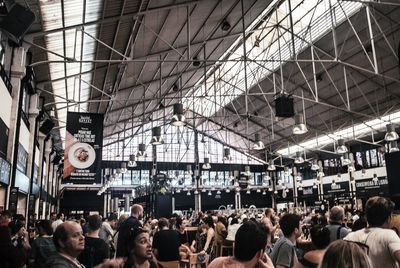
(83, 145)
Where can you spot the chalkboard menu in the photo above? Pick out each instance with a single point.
(4, 171)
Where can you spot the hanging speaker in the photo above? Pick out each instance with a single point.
(5, 7)
(17, 23)
(46, 126)
(284, 105)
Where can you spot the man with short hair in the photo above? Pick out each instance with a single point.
(166, 242)
(250, 241)
(5, 218)
(383, 243)
(107, 230)
(60, 220)
(124, 230)
(336, 217)
(69, 242)
(284, 252)
(96, 249)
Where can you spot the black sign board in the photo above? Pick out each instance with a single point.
(284, 196)
(83, 144)
(4, 171)
(13, 200)
(340, 190)
(40, 208)
(31, 207)
(307, 193)
(369, 187)
(243, 181)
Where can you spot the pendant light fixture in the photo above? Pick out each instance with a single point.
(286, 171)
(123, 168)
(227, 154)
(141, 150)
(393, 147)
(206, 164)
(346, 160)
(258, 144)
(299, 158)
(271, 166)
(178, 119)
(375, 178)
(321, 173)
(189, 170)
(391, 134)
(132, 161)
(341, 148)
(299, 127)
(314, 165)
(156, 138)
(247, 171)
(363, 172)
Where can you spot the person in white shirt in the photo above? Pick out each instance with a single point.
(232, 229)
(382, 242)
(60, 219)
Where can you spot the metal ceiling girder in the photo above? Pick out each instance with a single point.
(204, 42)
(115, 18)
(121, 68)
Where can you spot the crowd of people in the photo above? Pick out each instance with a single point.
(332, 240)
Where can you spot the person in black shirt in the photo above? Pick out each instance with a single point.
(125, 229)
(43, 246)
(181, 229)
(10, 256)
(166, 242)
(96, 249)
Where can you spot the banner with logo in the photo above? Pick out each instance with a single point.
(340, 190)
(369, 187)
(83, 145)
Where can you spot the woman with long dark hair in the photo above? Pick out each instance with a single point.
(140, 252)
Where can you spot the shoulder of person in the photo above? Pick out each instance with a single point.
(217, 262)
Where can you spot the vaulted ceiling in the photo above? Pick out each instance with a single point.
(132, 60)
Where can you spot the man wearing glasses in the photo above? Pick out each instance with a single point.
(383, 243)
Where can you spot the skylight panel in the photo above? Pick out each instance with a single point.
(71, 89)
(356, 131)
(314, 13)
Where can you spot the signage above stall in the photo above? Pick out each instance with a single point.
(368, 187)
(307, 192)
(243, 181)
(341, 189)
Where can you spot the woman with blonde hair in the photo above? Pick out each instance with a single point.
(346, 254)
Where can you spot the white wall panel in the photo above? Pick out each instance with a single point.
(5, 104)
